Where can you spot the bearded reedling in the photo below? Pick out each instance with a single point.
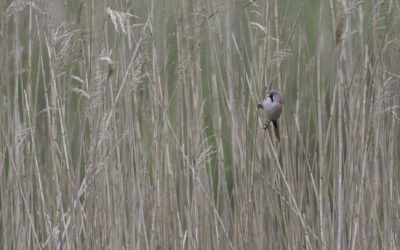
(272, 109)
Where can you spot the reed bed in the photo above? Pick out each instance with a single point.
(133, 124)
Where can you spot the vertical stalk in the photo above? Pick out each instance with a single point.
(320, 138)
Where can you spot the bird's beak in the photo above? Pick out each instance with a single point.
(259, 106)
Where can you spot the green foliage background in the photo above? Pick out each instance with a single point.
(133, 124)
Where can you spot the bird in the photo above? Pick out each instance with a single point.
(272, 109)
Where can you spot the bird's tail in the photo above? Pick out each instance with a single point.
(276, 129)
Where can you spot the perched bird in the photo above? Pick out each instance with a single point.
(272, 109)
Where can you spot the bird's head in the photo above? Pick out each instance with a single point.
(275, 96)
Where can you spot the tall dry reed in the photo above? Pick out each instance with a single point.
(133, 125)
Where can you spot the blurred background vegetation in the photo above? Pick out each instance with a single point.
(133, 124)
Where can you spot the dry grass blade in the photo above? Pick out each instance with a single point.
(134, 125)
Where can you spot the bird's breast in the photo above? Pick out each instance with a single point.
(272, 109)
